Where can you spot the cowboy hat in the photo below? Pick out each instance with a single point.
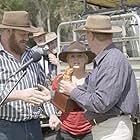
(39, 33)
(99, 24)
(50, 37)
(76, 47)
(17, 20)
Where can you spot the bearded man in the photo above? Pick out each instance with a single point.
(19, 113)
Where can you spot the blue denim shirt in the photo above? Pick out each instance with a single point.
(111, 87)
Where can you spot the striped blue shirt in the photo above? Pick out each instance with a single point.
(19, 110)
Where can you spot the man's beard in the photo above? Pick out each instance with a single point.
(14, 47)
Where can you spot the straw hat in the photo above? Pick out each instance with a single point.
(17, 20)
(99, 24)
(50, 37)
(76, 47)
(39, 33)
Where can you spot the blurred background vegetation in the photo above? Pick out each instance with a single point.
(50, 13)
(46, 13)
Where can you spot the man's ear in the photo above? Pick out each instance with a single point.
(92, 36)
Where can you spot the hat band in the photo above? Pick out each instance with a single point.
(109, 28)
(16, 25)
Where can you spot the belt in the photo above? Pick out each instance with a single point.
(96, 121)
(74, 136)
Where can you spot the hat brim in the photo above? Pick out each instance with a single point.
(47, 41)
(114, 29)
(63, 55)
(30, 29)
(43, 33)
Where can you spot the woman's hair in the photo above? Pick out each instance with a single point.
(78, 52)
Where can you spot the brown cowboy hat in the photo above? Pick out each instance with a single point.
(17, 20)
(76, 47)
(39, 33)
(99, 24)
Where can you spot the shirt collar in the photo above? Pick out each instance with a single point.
(28, 51)
(102, 54)
(1, 47)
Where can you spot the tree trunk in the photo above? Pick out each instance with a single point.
(48, 22)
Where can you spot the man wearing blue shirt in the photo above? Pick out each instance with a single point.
(109, 94)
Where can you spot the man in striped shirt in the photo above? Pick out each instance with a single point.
(19, 114)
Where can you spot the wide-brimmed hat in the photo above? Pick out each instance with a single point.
(76, 47)
(39, 33)
(50, 37)
(99, 24)
(17, 20)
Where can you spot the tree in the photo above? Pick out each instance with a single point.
(46, 13)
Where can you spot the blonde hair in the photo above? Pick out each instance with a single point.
(86, 57)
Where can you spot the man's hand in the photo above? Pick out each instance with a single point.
(66, 86)
(54, 122)
(35, 96)
(46, 91)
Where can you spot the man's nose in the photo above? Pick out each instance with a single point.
(76, 57)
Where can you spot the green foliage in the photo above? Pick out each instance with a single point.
(56, 10)
(8, 5)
